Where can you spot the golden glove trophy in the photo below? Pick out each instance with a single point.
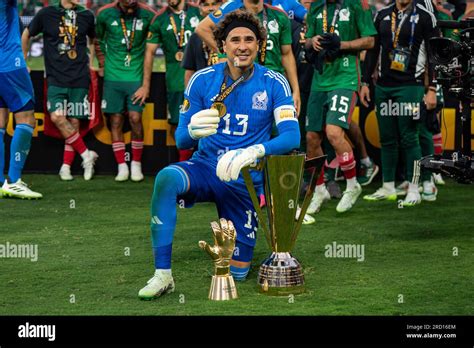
(281, 274)
(223, 285)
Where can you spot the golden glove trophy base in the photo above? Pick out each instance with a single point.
(281, 275)
(222, 288)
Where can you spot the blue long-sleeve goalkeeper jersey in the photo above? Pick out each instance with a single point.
(11, 55)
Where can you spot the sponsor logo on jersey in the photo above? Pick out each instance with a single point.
(387, 18)
(114, 24)
(260, 101)
(251, 235)
(104, 104)
(344, 15)
(342, 118)
(170, 27)
(319, 16)
(414, 18)
(139, 24)
(185, 106)
(194, 21)
(273, 27)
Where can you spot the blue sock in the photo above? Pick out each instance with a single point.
(169, 183)
(2, 156)
(242, 253)
(19, 149)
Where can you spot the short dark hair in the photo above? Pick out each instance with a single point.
(241, 16)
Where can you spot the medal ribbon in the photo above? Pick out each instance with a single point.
(225, 91)
(263, 48)
(334, 19)
(396, 33)
(179, 37)
(70, 30)
(128, 41)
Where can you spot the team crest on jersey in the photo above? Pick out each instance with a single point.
(260, 101)
(194, 21)
(185, 106)
(344, 15)
(273, 27)
(414, 18)
(139, 24)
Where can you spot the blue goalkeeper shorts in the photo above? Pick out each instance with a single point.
(232, 203)
(16, 90)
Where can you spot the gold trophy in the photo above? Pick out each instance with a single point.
(222, 285)
(281, 274)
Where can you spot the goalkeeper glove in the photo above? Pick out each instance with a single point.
(203, 124)
(230, 164)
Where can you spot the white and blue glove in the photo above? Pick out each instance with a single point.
(230, 164)
(203, 124)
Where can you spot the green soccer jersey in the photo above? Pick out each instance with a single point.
(278, 34)
(123, 63)
(354, 21)
(449, 33)
(167, 35)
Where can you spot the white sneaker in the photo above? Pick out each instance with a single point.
(88, 164)
(413, 198)
(161, 283)
(136, 169)
(438, 179)
(349, 197)
(382, 194)
(123, 172)
(19, 190)
(402, 189)
(307, 220)
(65, 173)
(319, 197)
(429, 192)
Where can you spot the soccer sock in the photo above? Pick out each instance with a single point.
(2, 155)
(76, 142)
(119, 151)
(69, 154)
(348, 166)
(137, 150)
(320, 180)
(366, 161)
(169, 183)
(19, 149)
(184, 155)
(241, 259)
(389, 186)
(438, 143)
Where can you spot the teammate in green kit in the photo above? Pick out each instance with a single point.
(122, 29)
(337, 31)
(171, 29)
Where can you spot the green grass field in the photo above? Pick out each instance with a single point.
(82, 256)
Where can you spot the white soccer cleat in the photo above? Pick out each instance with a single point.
(307, 220)
(413, 198)
(382, 194)
(136, 169)
(438, 179)
(429, 192)
(320, 196)
(349, 197)
(161, 283)
(65, 173)
(88, 164)
(19, 190)
(123, 172)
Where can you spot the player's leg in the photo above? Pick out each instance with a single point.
(135, 112)
(19, 98)
(341, 105)
(314, 127)
(427, 148)
(3, 126)
(388, 130)
(175, 183)
(368, 169)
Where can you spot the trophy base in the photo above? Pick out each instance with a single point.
(222, 288)
(281, 275)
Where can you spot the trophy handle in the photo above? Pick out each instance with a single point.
(256, 204)
(314, 164)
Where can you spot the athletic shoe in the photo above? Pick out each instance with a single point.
(429, 192)
(368, 173)
(65, 173)
(123, 172)
(334, 189)
(136, 169)
(161, 283)
(349, 197)
(438, 179)
(307, 220)
(382, 194)
(319, 197)
(402, 189)
(88, 164)
(413, 198)
(19, 190)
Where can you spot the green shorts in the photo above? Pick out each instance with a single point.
(174, 100)
(74, 101)
(117, 97)
(334, 107)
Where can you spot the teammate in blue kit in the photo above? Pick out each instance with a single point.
(16, 94)
(229, 109)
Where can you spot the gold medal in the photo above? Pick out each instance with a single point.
(179, 56)
(72, 54)
(220, 107)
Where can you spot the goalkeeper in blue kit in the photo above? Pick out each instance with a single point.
(229, 109)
